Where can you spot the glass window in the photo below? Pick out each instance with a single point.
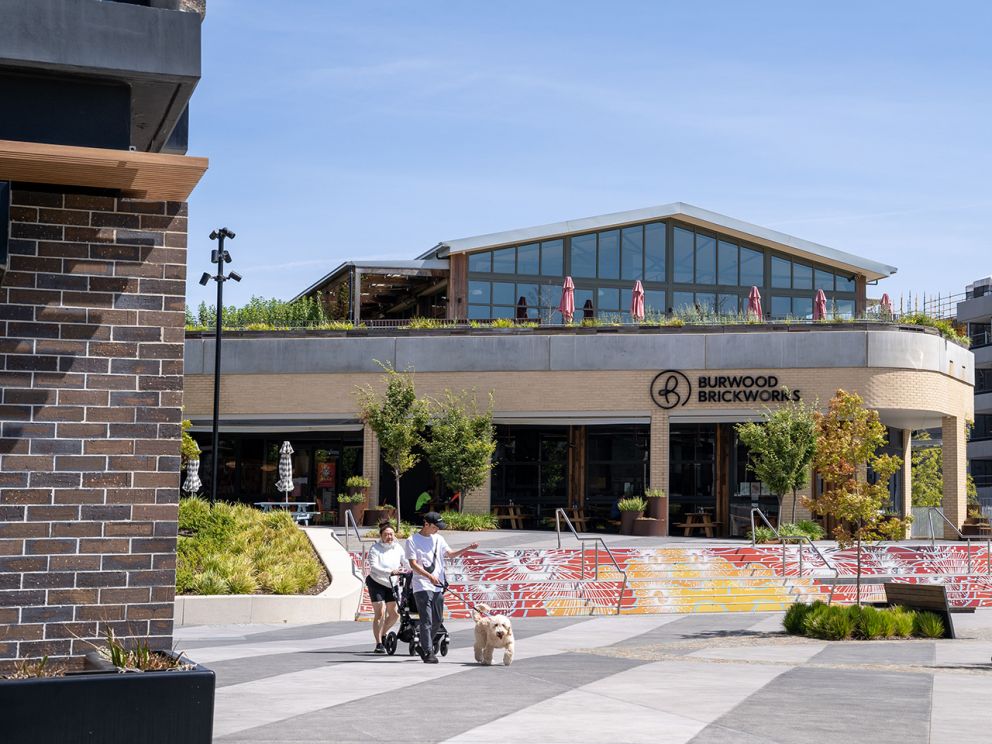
(683, 256)
(781, 273)
(608, 299)
(802, 276)
(478, 312)
(479, 293)
(632, 253)
(654, 252)
(823, 280)
(528, 259)
(531, 294)
(706, 302)
(654, 300)
(802, 307)
(504, 312)
(728, 304)
(503, 293)
(582, 297)
(481, 262)
(683, 301)
(844, 284)
(781, 306)
(504, 261)
(844, 308)
(609, 254)
(551, 258)
(727, 261)
(705, 259)
(752, 268)
(584, 255)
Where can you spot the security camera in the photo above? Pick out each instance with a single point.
(213, 235)
(235, 276)
(205, 279)
(227, 257)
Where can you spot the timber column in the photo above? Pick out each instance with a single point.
(370, 463)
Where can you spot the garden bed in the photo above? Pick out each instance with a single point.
(860, 622)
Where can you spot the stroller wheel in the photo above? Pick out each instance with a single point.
(390, 643)
(444, 648)
(413, 649)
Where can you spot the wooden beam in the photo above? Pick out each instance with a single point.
(142, 175)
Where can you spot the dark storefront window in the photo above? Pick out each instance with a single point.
(531, 468)
(616, 463)
(692, 469)
(249, 466)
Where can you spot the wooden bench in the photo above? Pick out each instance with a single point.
(578, 518)
(929, 597)
(511, 513)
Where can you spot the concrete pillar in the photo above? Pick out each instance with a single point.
(370, 463)
(953, 460)
(479, 501)
(658, 473)
(904, 499)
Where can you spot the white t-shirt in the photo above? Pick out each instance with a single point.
(422, 550)
(383, 560)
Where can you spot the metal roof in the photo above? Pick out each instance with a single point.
(383, 267)
(684, 212)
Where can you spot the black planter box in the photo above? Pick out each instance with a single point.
(166, 707)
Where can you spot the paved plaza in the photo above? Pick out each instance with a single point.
(708, 678)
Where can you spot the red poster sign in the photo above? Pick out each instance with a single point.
(326, 472)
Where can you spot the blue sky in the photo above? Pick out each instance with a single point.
(340, 130)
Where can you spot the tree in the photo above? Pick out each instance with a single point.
(848, 439)
(189, 450)
(397, 418)
(781, 448)
(927, 473)
(461, 443)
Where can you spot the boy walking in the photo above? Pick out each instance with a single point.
(426, 552)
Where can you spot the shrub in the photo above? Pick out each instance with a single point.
(358, 481)
(654, 493)
(902, 621)
(633, 504)
(469, 522)
(944, 327)
(235, 549)
(351, 498)
(870, 624)
(405, 530)
(928, 625)
(795, 618)
(811, 529)
(426, 323)
(762, 535)
(830, 623)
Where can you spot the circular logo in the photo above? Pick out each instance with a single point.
(670, 388)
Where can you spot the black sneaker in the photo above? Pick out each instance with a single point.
(379, 649)
(430, 659)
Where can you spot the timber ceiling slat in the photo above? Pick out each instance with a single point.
(144, 175)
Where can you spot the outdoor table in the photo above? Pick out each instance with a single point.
(511, 513)
(698, 521)
(300, 509)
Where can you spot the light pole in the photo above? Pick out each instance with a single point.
(219, 256)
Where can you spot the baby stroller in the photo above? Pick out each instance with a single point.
(410, 622)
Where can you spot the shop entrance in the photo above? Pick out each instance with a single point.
(692, 462)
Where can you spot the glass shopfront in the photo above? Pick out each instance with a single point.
(249, 466)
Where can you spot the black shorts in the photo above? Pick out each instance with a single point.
(378, 592)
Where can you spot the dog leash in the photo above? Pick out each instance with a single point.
(469, 605)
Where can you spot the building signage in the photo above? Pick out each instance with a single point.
(672, 389)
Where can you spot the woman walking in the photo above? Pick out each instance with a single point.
(386, 560)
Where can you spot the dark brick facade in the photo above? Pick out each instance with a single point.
(91, 364)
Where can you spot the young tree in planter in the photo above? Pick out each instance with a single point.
(461, 443)
(781, 448)
(927, 476)
(397, 418)
(848, 439)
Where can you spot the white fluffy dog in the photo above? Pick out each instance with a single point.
(492, 632)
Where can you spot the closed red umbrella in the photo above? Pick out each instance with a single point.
(637, 301)
(754, 304)
(567, 305)
(820, 306)
(886, 304)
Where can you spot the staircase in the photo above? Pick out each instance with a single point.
(543, 583)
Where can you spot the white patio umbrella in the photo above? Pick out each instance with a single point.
(285, 482)
(192, 484)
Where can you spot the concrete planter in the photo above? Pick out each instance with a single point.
(645, 526)
(657, 509)
(627, 519)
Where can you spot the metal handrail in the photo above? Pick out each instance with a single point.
(351, 524)
(559, 515)
(800, 539)
(966, 538)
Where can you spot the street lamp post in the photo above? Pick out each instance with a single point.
(219, 256)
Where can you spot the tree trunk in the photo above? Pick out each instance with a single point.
(793, 504)
(858, 579)
(398, 517)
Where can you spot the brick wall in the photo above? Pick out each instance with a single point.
(91, 363)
